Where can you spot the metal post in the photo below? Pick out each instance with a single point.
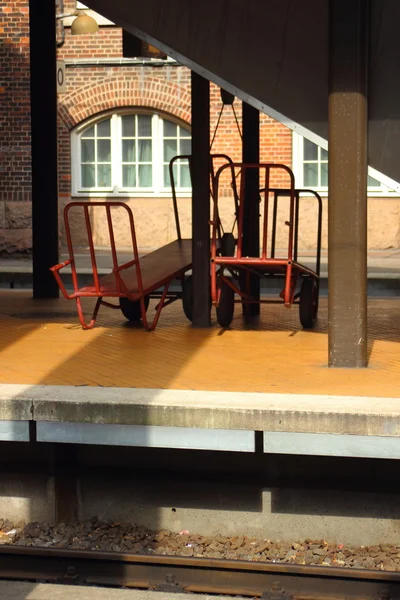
(201, 200)
(348, 171)
(251, 222)
(42, 24)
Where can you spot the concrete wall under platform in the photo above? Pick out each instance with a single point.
(349, 501)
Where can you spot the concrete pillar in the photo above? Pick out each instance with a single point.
(201, 200)
(251, 221)
(42, 24)
(348, 122)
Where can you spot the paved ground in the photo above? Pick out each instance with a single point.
(42, 343)
(10, 590)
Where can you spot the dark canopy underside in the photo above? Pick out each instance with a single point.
(274, 55)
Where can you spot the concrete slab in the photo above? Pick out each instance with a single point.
(15, 590)
(349, 415)
(14, 408)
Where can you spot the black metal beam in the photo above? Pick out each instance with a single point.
(348, 172)
(201, 200)
(42, 24)
(251, 221)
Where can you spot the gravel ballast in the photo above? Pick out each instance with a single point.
(125, 537)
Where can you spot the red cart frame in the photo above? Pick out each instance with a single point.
(223, 287)
(140, 279)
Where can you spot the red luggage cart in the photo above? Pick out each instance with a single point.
(136, 281)
(225, 269)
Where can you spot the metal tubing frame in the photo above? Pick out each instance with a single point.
(288, 267)
(280, 192)
(121, 289)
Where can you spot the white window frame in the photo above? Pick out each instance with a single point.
(384, 191)
(116, 190)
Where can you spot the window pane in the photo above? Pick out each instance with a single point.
(186, 146)
(170, 149)
(145, 176)
(128, 126)
(104, 150)
(87, 150)
(170, 129)
(311, 174)
(310, 150)
(373, 182)
(144, 126)
(324, 154)
(144, 149)
(88, 176)
(128, 151)
(129, 176)
(88, 133)
(103, 128)
(167, 182)
(324, 174)
(104, 175)
(185, 176)
(184, 132)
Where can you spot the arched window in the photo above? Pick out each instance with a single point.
(128, 154)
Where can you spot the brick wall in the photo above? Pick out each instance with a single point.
(15, 178)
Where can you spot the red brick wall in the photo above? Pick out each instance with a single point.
(15, 178)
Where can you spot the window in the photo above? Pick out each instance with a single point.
(129, 154)
(310, 165)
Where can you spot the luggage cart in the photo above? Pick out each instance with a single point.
(225, 269)
(135, 282)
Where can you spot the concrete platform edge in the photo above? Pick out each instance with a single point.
(350, 415)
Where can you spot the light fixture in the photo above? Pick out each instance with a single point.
(84, 24)
(80, 25)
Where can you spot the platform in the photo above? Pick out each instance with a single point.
(118, 384)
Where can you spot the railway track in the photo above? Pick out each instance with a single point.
(179, 574)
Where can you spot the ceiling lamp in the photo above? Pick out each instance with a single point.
(84, 24)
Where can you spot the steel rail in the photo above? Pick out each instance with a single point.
(270, 581)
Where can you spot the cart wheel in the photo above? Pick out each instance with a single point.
(226, 306)
(131, 308)
(187, 297)
(308, 306)
(228, 244)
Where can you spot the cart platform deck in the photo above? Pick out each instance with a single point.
(157, 268)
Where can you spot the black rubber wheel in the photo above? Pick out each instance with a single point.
(228, 244)
(187, 297)
(226, 306)
(131, 308)
(308, 305)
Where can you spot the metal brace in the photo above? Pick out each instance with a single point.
(170, 585)
(277, 592)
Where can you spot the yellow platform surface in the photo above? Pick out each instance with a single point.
(41, 342)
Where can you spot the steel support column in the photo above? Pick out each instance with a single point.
(42, 24)
(201, 200)
(347, 206)
(251, 222)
